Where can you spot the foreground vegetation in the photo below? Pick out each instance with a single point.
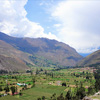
(50, 84)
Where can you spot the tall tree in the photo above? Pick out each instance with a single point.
(13, 89)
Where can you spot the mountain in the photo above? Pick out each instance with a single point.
(12, 64)
(91, 60)
(57, 52)
(42, 51)
(9, 51)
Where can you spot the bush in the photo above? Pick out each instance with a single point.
(29, 83)
(1, 88)
(64, 84)
(20, 93)
(38, 98)
(43, 97)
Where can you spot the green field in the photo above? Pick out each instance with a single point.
(47, 82)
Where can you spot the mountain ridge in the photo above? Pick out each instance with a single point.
(12, 64)
(44, 50)
(92, 59)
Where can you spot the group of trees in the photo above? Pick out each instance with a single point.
(83, 74)
(78, 94)
(8, 72)
(97, 78)
(3, 71)
(33, 81)
(7, 89)
(41, 61)
(96, 86)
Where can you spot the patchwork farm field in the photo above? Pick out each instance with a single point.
(46, 83)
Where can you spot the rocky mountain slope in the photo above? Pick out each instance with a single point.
(55, 51)
(91, 60)
(9, 51)
(12, 64)
(42, 51)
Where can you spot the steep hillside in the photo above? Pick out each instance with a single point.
(55, 51)
(12, 64)
(44, 52)
(91, 60)
(9, 51)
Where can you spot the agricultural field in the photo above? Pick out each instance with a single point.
(46, 82)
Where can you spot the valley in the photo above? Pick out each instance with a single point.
(49, 49)
(46, 82)
(44, 69)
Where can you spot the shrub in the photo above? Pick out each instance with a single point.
(64, 84)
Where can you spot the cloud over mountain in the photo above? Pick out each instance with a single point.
(80, 23)
(13, 20)
(74, 22)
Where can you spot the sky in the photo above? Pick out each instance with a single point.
(74, 22)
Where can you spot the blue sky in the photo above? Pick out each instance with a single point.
(38, 11)
(74, 22)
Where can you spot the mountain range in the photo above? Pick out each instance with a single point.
(17, 53)
(38, 51)
(91, 60)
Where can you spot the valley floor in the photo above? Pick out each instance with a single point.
(48, 82)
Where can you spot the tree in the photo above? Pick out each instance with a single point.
(97, 78)
(20, 93)
(80, 92)
(53, 96)
(16, 78)
(87, 77)
(16, 89)
(38, 98)
(60, 97)
(43, 97)
(25, 86)
(91, 90)
(13, 89)
(37, 71)
(33, 80)
(68, 95)
(52, 75)
(31, 72)
(45, 72)
(41, 69)
(6, 89)
(63, 84)
(1, 88)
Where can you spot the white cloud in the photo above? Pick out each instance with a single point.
(57, 25)
(80, 21)
(13, 20)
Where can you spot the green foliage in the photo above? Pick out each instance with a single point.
(6, 89)
(33, 80)
(38, 98)
(53, 97)
(43, 98)
(80, 92)
(37, 71)
(1, 88)
(46, 82)
(13, 89)
(41, 61)
(60, 97)
(97, 78)
(63, 84)
(91, 90)
(68, 95)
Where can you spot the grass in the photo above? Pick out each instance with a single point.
(46, 85)
(10, 98)
(42, 90)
